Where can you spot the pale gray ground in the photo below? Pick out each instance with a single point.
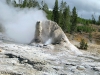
(20, 59)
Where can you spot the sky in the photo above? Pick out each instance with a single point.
(85, 8)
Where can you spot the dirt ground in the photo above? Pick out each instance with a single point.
(93, 47)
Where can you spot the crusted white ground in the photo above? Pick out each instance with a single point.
(21, 59)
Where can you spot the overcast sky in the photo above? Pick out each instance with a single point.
(85, 8)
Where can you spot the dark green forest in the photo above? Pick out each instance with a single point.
(66, 18)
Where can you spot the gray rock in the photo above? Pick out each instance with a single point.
(80, 67)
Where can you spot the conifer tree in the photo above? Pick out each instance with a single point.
(44, 6)
(24, 3)
(61, 15)
(35, 3)
(56, 12)
(62, 6)
(73, 20)
(66, 15)
(93, 19)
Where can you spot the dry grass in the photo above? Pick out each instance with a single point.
(96, 27)
(96, 37)
(78, 37)
(94, 48)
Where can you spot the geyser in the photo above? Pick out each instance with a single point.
(20, 24)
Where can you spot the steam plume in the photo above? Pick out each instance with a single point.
(19, 23)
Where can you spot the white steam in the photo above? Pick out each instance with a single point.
(49, 41)
(19, 23)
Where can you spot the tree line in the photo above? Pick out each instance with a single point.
(67, 19)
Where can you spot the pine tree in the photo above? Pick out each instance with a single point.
(93, 19)
(30, 3)
(24, 3)
(44, 6)
(74, 21)
(35, 3)
(66, 14)
(56, 12)
(61, 14)
(62, 6)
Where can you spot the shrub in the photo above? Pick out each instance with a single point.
(83, 44)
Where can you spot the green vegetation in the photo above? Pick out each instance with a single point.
(64, 17)
(67, 19)
(84, 28)
(73, 20)
(55, 14)
(83, 44)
